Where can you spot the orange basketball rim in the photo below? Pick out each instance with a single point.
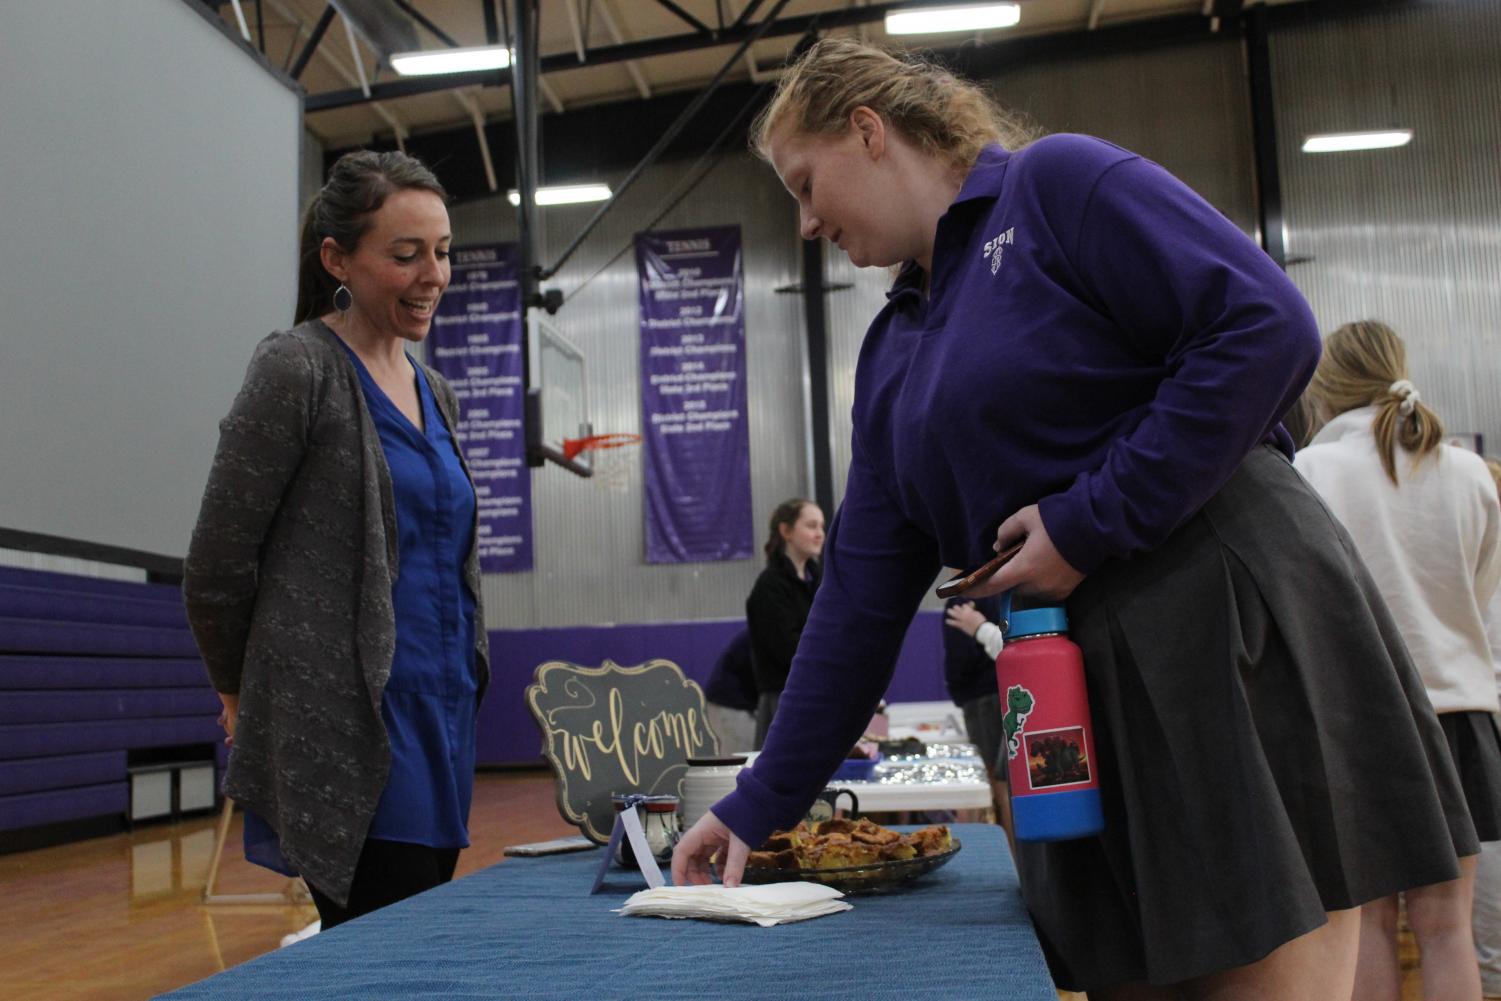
(573, 446)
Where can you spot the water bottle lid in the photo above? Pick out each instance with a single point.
(1034, 621)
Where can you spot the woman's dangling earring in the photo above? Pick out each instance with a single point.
(343, 299)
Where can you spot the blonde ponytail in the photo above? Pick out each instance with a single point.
(1365, 364)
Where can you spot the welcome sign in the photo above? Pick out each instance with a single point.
(613, 730)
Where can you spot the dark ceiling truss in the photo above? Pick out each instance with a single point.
(682, 14)
(492, 25)
(734, 34)
(438, 32)
(747, 14)
(666, 138)
(324, 20)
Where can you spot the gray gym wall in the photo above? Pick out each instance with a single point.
(149, 196)
(1408, 235)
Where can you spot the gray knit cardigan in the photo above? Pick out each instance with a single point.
(288, 590)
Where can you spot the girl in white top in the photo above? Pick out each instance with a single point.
(1424, 517)
(1488, 874)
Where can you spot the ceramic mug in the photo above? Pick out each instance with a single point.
(707, 781)
(827, 804)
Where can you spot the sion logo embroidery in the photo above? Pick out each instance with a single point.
(995, 248)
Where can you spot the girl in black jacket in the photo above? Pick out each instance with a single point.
(778, 605)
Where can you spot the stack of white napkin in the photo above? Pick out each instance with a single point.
(767, 905)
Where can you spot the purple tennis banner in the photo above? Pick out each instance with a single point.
(476, 345)
(696, 440)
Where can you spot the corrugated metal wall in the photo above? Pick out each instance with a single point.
(589, 534)
(1186, 106)
(1406, 235)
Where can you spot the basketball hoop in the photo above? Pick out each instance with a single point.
(594, 442)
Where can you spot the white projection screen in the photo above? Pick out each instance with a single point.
(148, 214)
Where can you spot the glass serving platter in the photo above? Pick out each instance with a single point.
(875, 877)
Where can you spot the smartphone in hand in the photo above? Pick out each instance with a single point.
(965, 581)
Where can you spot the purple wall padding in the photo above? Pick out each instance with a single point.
(86, 606)
(21, 672)
(508, 734)
(62, 772)
(89, 670)
(35, 740)
(22, 577)
(64, 707)
(32, 636)
(32, 809)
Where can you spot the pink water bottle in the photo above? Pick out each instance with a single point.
(1049, 737)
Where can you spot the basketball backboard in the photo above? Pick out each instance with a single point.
(558, 400)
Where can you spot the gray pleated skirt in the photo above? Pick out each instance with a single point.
(1475, 746)
(1266, 750)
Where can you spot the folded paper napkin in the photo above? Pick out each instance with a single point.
(766, 905)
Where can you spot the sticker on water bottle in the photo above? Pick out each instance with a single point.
(1019, 705)
(1057, 758)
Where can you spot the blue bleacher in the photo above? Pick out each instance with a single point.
(90, 670)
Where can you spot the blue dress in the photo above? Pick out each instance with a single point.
(430, 702)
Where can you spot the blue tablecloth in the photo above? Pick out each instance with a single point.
(528, 928)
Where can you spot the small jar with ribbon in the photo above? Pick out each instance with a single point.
(659, 822)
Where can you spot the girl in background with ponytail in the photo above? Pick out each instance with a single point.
(1425, 519)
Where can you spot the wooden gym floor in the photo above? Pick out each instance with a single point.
(118, 918)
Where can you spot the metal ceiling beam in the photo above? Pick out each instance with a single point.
(642, 87)
(354, 54)
(492, 22)
(970, 59)
(423, 20)
(477, 116)
(664, 140)
(240, 18)
(324, 20)
(523, 42)
(383, 26)
(545, 89)
(1269, 216)
(573, 24)
(293, 47)
(623, 52)
(682, 14)
(746, 15)
(756, 76)
(398, 127)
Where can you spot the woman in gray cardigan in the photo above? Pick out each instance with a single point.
(333, 580)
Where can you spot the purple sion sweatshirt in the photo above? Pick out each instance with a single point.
(1099, 341)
